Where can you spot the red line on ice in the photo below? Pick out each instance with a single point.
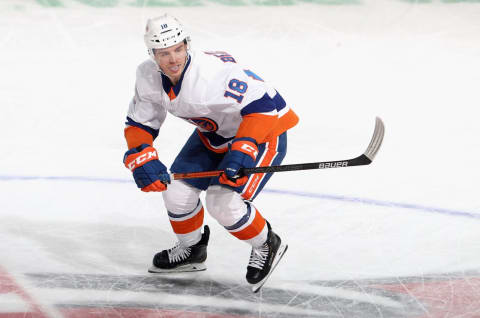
(8, 285)
(454, 297)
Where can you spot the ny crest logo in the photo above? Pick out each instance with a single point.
(204, 123)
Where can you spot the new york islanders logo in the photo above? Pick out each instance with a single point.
(204, 123)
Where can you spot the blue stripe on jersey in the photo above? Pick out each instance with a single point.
(167, 84)
(279, 102)
(150, 130)
(264, 105)
(216, 140)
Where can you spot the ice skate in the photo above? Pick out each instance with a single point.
(182, 258)
(264, 259)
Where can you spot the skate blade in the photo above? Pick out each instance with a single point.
(180, 269)
(278, 256)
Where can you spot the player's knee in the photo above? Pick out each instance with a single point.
(225, 205)
(180, 197)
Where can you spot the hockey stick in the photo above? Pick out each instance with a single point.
(364, 159)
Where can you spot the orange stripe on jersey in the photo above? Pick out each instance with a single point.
(206, 143)
(284, 123)
(253, 229)
(136, 136)
(263, 127)
(171, 94)
(189, 225)
(257, 126)
(256, 178)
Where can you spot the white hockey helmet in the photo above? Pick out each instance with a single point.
(164, 31)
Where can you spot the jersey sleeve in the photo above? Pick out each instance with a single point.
(145, 113)
(261, 106)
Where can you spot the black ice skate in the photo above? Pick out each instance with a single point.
(182, 259)
(264, 259)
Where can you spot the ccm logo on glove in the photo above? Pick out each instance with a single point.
(247, 147)
(145, 156)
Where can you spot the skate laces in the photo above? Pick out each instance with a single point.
(259, 256)
(178, 253)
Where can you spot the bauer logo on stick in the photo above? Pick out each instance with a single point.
(339, 164)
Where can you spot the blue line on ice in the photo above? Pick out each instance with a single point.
(323, 196)
(64, 178)
(389, 204)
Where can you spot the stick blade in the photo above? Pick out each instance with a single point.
(376, 140)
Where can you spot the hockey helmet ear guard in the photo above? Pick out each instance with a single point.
(164, 31)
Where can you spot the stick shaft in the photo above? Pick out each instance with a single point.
(364, 159)
(359, 161)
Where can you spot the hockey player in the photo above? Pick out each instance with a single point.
(241, 122)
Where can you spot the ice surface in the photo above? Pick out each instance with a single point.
(398, 238)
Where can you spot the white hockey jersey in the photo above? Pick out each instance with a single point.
(214, 94)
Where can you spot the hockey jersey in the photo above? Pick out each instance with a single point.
(215, 94)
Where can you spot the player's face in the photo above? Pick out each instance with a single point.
(171, 60)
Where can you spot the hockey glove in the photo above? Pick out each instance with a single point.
(242, 154)
(149, 173)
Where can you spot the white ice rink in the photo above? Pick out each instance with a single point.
(397, 238)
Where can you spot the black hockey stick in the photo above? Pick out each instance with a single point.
(364, 159)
